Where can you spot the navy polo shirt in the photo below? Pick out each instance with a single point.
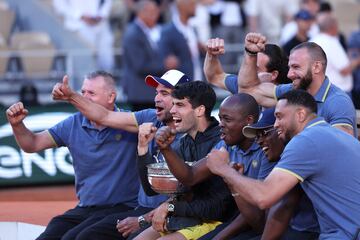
(326, 162)
(143, 116)
(256, 164)
(103, 160)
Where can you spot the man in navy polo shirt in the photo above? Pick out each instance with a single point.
(103, 159)
(130, 221)
(322, 158)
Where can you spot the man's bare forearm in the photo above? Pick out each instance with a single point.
(97, 113)
(247, 77)
(214, 72)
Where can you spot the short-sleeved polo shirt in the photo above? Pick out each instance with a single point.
(256, 164)
(334, 105)
(326, 162)
(143, 116)
(103, 160)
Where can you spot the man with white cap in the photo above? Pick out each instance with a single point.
(126, 120)
(130, 121)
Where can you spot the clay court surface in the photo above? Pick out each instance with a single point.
(35, 205)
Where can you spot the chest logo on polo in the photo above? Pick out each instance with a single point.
(254, 163)
(118, 137)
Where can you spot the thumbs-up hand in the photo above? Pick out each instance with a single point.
(62, 91)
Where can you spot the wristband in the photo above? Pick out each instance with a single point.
(250, 53)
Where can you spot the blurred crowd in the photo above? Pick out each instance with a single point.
(158, 35)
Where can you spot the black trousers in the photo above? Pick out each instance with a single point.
(105, 229)
(68, 225)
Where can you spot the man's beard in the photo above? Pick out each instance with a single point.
(306, 81)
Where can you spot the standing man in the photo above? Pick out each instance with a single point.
(340, 67)
(103, 159)
(91, 21)
(142, 55)
(312, 158)
(179, 40)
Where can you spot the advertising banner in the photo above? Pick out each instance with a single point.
(18, 168)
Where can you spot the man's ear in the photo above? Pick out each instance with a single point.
(274, 75)
(302, 114)
(200, 110)
(250, 119)
(112, 97)
(317, 67)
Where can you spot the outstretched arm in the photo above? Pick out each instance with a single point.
(92, 111)
(213, 70)
(262, 194)
(27, 140)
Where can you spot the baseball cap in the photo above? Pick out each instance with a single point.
(169, 79)
(304, 15)
(267, 120)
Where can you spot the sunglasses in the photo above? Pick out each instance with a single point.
(264, 133)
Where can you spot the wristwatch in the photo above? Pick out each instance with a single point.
(171, 208)
(142, 222)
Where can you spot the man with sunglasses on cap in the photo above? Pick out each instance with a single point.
(279, 216)
(310, 158)
(129, 121)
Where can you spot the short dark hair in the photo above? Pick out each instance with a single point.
(198, 93)
(300, 98)
(315, 52)
(277, 61)
(246, 104)
(108, 77)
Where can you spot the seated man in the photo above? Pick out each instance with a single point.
(312, 158)
(131, 221)
(276, 226)
(105, 173)
(235, 112)
(206, 203)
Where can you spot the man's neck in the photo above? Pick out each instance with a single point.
(246, 144)
(316, 84)
(202, 125)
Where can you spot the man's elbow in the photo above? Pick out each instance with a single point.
(263, 203)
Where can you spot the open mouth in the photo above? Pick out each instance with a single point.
(159, 109)
(177, 121)
(222, 135)
(265, 149)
